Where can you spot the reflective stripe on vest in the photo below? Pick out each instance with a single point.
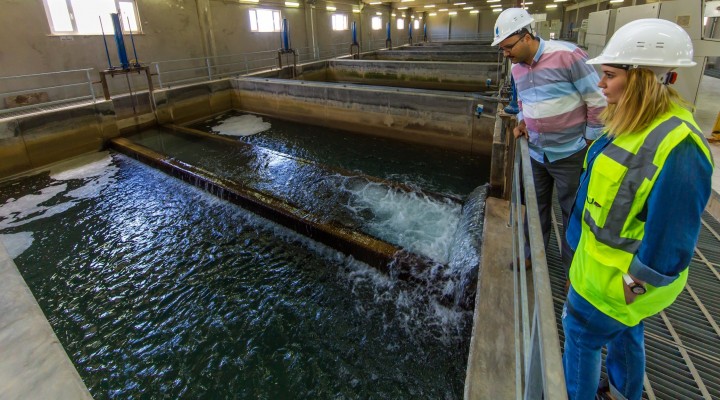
(640, 166)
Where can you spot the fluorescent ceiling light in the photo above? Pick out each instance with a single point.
(249, 1)
(453, 13)
(493, 1)
(330, 8)
(496, 5)
(432, 14)
(378, 13)
(560, 1)
(393, 15)
(402, 8)
(528, 3)
(551, 6)
(430, 6)
(291, 4)
(374, 3)
(442, 9)
(467, 8)
(474, 12)
(617, 1)
(496, 9)
(356, 10)
(459, 4)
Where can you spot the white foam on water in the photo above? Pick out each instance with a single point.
(99, 167)
(418, 223)
(17, 243)
(243, 125)
(96, 176)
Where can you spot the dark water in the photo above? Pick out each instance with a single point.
(413, 221)
(158, 290)
(426, 167)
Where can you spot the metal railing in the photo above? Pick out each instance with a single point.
(538, 362)
(36, 91)
(439, 37)
(188, 70)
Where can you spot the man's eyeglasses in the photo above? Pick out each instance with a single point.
(509, 48)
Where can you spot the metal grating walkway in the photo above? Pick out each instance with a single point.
(683, 342)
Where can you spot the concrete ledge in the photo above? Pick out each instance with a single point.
(491, 361)
(33, 363)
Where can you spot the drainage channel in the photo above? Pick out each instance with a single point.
(683, 342)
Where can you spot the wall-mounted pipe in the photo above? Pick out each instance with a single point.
(388, 40)
(410, 41)
(425, 32)
(119, 41)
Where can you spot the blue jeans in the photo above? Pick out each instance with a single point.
(587, 330)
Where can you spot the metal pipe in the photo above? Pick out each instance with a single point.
(354, 34)
(90, 85)
(122, 54)
(107, 53)
(132, 40)
(285, 35)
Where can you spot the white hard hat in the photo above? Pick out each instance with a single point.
(509, 22)
(648, 42)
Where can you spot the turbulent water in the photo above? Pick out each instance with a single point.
(156, 290)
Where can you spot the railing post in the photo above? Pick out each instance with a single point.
(209, 68)
(90, 84)
(157, 69)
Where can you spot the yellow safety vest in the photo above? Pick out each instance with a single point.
(620, 182)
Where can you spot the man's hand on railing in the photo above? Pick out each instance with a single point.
(520, 130)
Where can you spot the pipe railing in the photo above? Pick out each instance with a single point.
(538, 361)
(48, 88)
(439, 37)
(188, 70)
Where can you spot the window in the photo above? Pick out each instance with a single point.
(262, 20)
(339, 22)
(81, 16)
(376, 23)
(400, 24)
(416, 24)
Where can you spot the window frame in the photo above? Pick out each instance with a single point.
(346, 22)
(257, 22)
(108, 29)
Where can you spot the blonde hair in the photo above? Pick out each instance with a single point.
(643, 100)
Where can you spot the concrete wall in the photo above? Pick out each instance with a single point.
(429, 117)
(32, 141)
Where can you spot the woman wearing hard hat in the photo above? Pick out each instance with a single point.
(637, 213)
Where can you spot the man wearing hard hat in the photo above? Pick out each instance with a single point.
(559, 107)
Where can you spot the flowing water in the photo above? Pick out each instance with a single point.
(159, 290)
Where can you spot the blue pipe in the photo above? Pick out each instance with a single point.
(410, 29)
(513, 108)
(354, 34)
(424, 31)
(107, 52)
(132, 40)
(119, 41)
(388, 31)
(285, 35)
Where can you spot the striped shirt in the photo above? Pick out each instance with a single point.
(559, 100)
